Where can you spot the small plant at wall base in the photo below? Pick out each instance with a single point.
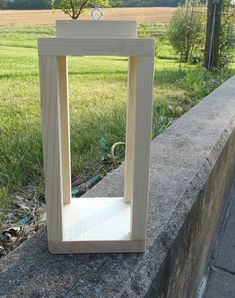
(186, 33)
(200, 82)
(74, 8)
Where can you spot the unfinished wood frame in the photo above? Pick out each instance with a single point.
(96, 224)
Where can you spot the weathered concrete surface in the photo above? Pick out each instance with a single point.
(224, 254)
(222, 285)
(221, 277)
(192, 165)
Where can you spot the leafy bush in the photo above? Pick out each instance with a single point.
(163, 116)
(186, 30)
(227, 38)
(25, 4)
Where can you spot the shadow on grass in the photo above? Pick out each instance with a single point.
(18, 75)
(99, 72)
(96, 73)
(168, 76)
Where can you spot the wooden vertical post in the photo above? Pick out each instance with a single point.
(52, 149)
(140, 149)
(130, 130)
(65, 128)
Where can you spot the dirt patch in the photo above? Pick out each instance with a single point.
(47, 17)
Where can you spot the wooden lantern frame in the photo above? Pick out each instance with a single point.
(91, 225)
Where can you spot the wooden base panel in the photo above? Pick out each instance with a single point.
(96, 219)
(96, 225)
(69, 247)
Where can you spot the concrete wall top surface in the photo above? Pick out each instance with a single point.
(182, 159)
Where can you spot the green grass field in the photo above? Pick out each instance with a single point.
(97, 90)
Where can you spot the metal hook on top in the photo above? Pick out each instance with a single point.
(97, 13)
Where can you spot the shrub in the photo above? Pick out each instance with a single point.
(24, 4)
(186, 30)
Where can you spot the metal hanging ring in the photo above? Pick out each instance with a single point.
(97, 14)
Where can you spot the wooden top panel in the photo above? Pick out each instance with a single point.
(84, 28)
(95, 47)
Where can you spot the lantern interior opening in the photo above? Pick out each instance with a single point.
(87, 219)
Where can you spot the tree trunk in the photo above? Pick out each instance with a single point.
(213, 34)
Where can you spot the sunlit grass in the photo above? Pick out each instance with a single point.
(97, 92)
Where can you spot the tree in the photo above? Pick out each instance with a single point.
(25, 4)
(185, 31)
(74, 8)
(3, 4)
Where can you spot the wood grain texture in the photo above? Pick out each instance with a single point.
(51, 124)
(130, 129)
(140, 149)
(65, 128)
(69, 247)
(96, 219)
(96, 46)
(85, 28)
(89, 225)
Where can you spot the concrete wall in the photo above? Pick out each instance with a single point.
(192, 169)
(185, 263)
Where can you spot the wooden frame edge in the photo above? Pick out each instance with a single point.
(141, 58)
(128, 246)
(96, 46)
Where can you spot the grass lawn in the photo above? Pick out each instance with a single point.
(97, 90)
